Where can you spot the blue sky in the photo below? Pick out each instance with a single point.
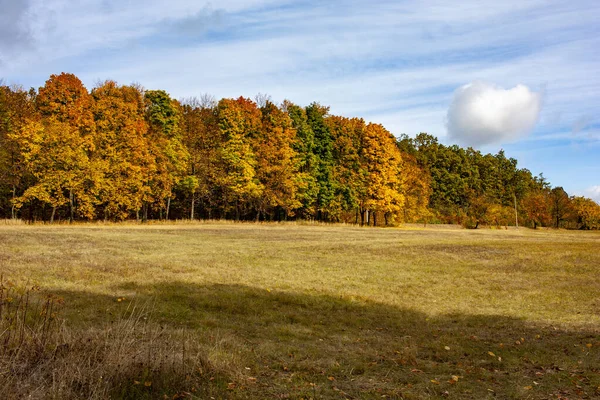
(399, 63)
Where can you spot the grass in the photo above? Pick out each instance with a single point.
(312, 311)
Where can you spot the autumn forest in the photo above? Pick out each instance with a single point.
(123, 152)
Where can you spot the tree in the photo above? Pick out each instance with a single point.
(16, 108)
(349, 170)
(122, 151)
(165, 139)
(322, 150)
(202, 139)
(416, 190)
(306, 180)
(239, 123)
(587, 212)
(537, 208)
(56, 155)
(64, 98)
(56, 149)
(276, 166)
(560, 205)
(384, 182)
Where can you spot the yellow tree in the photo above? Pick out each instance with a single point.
(16, 108)
(239, 124)
(55, 154)
(383, 163)
(276, 162)
(416, 190)
(122, 154)
(587, 212)
(57, 148)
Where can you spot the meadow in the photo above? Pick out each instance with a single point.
(289, 311)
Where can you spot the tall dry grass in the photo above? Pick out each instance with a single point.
(130, 358)
(12, 222)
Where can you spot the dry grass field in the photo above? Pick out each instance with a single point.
(291, 311)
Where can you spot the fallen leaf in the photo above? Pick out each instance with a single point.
(331, 378)
(455, 378)
(528, 387)
(447, 347)
(589, 345)
(147, 383)
(491, 354)
(435, 382)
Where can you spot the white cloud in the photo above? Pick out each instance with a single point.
(593, 193)
(482, 113)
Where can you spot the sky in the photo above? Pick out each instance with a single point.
(522, 76)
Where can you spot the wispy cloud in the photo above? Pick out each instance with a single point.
(14, 31)
(593, 192)
(395, 62)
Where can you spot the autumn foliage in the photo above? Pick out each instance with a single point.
(122, 152)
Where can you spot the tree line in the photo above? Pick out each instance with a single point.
(122, 152)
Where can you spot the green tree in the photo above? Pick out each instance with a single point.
(322, 150)
(306, 180)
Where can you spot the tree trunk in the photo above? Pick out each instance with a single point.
(71, 206)
(52, 216)
(13, 212)
(375, 218)
(516, 212)
(145, 212)
(192, 210)
(168, 207)
(367, 217)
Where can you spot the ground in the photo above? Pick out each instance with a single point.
(313, 311)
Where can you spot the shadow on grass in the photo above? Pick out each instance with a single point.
(293, 345)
